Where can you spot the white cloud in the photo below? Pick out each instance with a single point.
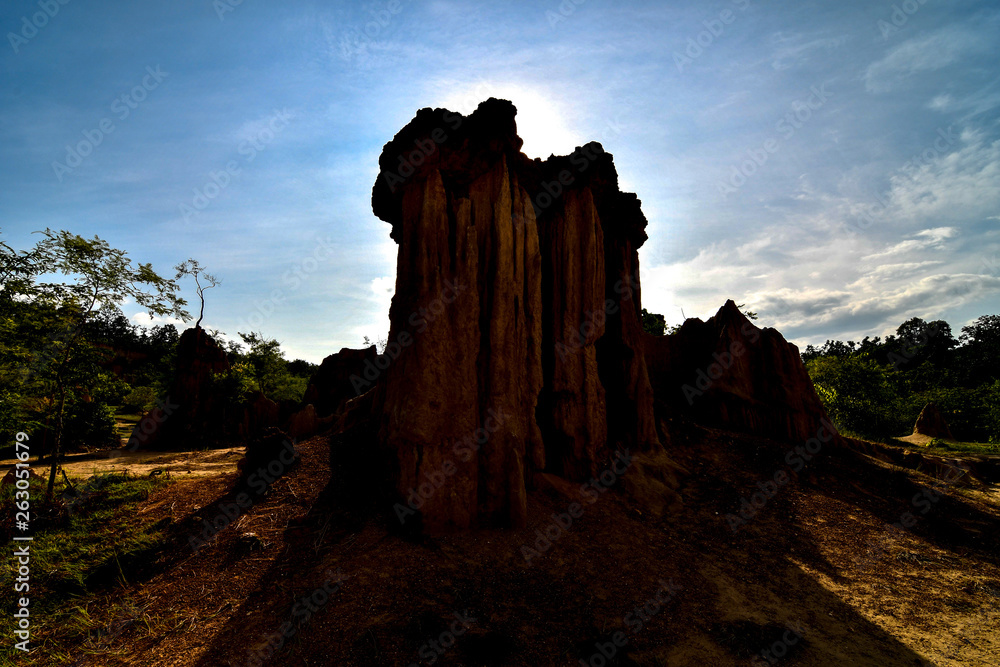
(926, 53)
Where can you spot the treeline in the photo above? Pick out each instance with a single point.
(876, 387)
(72, 364)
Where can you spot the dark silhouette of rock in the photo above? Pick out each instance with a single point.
(514, 340)
(191, 415)
(341, 377)
(269, 455)
(931, 422)
(260, 414)
(303, 423)
(728, 373)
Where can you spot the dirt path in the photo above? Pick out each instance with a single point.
(207, 463)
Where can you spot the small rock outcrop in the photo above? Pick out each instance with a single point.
(341, 377)
(729, 373)
(932, 423)
(190, 414)
(269, 455)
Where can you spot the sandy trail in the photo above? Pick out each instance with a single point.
(206, 463)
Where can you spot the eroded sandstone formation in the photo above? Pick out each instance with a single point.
(331, 386)
(514, 341)
(729, 373)
(516, 353)
(190, 414)
(931, 422)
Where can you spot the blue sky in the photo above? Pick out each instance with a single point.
(834, 165)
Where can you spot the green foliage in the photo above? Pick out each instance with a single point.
(877, 388)
(45, 349)
(88, 530)
(89, 423)
(302, 368)
(267, 365)
(290, 388)
(653, 323)
(235, 384)
(191, 267)
(109, 389)
(140, 400)
(860, 396)
(750, 315)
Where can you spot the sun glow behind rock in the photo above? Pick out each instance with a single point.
(542, 122)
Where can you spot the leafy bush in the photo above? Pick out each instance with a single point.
(139, 400)
(89, 424)
(861, 396)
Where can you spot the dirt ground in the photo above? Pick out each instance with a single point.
(206, 463)
(813, 578)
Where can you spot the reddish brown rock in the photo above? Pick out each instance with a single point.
(191, 415)
(931, 422)
(260, 414)
(727, 372)
(269, 455)
(341, 377)
(303, 423)
(515, 316)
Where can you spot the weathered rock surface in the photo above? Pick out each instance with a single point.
(259, 415)
(303, 423)
(514, 343)
(269, 455)
(728, 373)
(341, 377)
(931, 422)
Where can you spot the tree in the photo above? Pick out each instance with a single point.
(750, 315)
(979, 356)
(100, 277)
(653, 323)
(266, 361)
(191, 267)
(920, 341)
